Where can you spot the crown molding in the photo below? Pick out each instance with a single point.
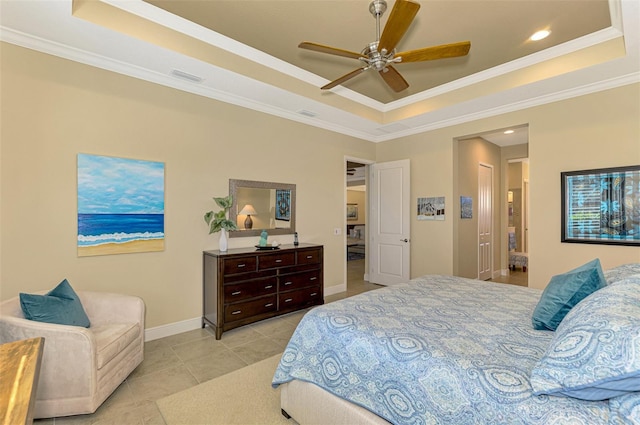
(88, 58)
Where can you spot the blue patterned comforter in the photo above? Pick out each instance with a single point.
(437, 350)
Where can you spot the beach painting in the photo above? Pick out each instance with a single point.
(120, 205)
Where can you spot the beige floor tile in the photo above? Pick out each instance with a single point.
(198, 348)
(160, 384)
(214, 365)
(257, 350)
(239, 336)
(156, 357)
(273, 326)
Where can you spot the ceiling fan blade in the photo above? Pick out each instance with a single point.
(330, 50)
(400, 18)
(393, 78)
(343, 79)
(436, 52)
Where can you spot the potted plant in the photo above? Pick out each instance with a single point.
(218, 222)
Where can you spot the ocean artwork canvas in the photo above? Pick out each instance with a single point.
(120, 205)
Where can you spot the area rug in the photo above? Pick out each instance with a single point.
(242, 397)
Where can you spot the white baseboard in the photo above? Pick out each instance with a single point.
(190, 324)
(172, 329)
(336, 289)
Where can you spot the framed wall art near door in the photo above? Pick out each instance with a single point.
(352, 211)
(601, 206)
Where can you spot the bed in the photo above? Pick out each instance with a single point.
(450, 350)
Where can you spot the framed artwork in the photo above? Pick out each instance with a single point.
(466, 207)
(601, 206)
(283, 205)
(431, 208)
(120, 205)
(352, 211)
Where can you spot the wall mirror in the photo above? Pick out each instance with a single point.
(261, 206)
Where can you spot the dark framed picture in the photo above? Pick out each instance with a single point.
(283, 205)
(352, 211)
(601, 206)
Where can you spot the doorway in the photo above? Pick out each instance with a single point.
(356, 225)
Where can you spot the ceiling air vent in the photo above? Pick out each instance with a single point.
(186, 76)
(307, 113)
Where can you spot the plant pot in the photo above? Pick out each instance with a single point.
(223, 243)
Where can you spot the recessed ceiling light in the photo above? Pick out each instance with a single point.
(508, 132)
(540, 35)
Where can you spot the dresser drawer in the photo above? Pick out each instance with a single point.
(239, 265)
(251, 289)
(299, 280)
(269, 261)
(302, 297)
(308, 256)
(246, 309)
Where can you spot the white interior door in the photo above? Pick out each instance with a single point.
(485, 221)
(389, 223)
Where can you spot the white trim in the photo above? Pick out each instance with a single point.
(335, 289)
(172, 329)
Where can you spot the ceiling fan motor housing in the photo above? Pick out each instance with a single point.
(377, 7)
(377, 60)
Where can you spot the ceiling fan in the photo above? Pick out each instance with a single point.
(381, 54)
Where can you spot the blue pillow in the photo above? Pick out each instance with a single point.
(61, 305)
(595, 353)
(565, 291)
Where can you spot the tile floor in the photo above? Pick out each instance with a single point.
(515, 277)
(178, 362)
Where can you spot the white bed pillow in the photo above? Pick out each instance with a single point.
(619, 273)
(595, 352)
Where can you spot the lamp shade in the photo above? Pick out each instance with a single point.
(248, 210)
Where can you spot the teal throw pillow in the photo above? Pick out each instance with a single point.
(565, 291)
(61, 305)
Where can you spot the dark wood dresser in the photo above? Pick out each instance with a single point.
(245, 285)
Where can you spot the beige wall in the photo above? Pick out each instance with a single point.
(592, 131)
(53, 109)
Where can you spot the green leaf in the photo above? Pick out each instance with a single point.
(208, 216)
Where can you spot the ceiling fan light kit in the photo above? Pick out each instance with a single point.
(381, 54)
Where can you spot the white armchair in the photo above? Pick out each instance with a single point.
(80, 366)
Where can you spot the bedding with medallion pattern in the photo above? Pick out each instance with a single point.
(438, 350)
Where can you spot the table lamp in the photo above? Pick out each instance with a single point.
(248, 210)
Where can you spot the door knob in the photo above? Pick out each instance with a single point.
(404, 240)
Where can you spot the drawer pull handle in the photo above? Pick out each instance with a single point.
(268, 287)
(287, 283)
(268, 305)
(313, 278)
(288, 300)
(236, 293)
(313, 294)
(309, 257)
(236, 312)
(241, 265)
(278, 261)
